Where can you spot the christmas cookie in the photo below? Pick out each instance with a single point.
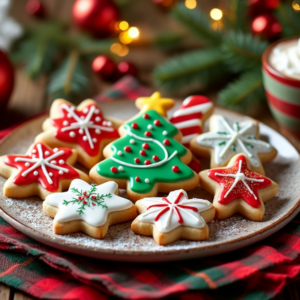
(174, 217)
(190, 117)
(161, 105)
(83, 128)
(238, 189)
(227, 138)
(41, 171)
(88, 208)
(147, 159)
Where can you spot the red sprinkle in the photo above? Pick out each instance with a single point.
(166, 142)
(146, 116)
(147, 162)
(148, 133)
(156, 122)
(137, 178)
(114, 169)
(175, 169)
(145, 146)
(134, 126)
(127, 149)
(155, 157)
(84, 202)
(137, 160)
(143, 152)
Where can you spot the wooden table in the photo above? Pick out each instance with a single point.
(30, 97)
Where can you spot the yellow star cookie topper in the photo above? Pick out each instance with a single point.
(161, 105)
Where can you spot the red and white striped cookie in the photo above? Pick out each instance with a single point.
(191, 115)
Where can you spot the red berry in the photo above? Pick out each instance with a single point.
(145, 146)
(156, 122)
(134, 126)
(146, 116)
(127, 148)
(137, 160)
(94, 197)
(93, 204)
(137, 178)
(143, 152)
(114, 169)
(175, 169)
(84, 202)
(84, 193)
(148, 133)
(155, 157)
(86, 196)
(166, 142)
(147, 162)
(80, 198)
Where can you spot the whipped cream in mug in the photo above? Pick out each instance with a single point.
(285, 58)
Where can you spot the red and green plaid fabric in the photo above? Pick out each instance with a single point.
(257, 272)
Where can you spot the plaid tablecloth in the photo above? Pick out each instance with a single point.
(257, 272)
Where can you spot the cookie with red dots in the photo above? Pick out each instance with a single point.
(41, 171)
(83, 128)
(173, 217)
(147, 159)
(238, 189)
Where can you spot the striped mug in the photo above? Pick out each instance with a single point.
(281, 78)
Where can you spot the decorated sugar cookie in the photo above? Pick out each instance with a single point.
(155, 102)
(41, 171)
(227, 138)
(147, 159)
(83, 128)
(238, 189)
(174, 217)
(88, 208)
(190, 117)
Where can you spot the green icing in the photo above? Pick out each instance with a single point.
(159, 173)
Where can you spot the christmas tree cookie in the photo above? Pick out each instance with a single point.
(83, 128)
(173, 217)
(41, 171)
(238, 189)
(147, 159)
(227, 138)
(88, 208)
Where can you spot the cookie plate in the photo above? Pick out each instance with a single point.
(121, 244)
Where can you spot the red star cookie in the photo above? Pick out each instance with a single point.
(84, 129)
(238, 189)
(41, 171)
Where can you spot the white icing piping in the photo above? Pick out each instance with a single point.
(189, 123)
(193, 109)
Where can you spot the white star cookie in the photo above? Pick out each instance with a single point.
(171, 218)
(88, 208)
(227, 138)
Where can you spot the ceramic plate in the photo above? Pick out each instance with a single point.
(121, 244)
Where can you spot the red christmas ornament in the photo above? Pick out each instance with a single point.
(96, 16)
(261, 6)
(164, 4)
(126, 68)
(104, 67)
(6, 79)
(267, 26)
(36, 9)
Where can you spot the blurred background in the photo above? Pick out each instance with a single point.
(80, 49)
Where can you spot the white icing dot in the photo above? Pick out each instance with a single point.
(165, 132)
(72, 134)
(61, 172)
(55, 149)
(147, 180)
(47, 153)
(53, 162)
(61, 161)
(97, 119)
(82, 117)
(108, 123)
(50, 174)
(97, 111)
(33, 151)
(98, 131)
(27, 164)
(86, 110)
(121, 168)
(104, 123)
(85, 138)
(120, 153)
(149, 126)
(94, 140)
(65, 123)
(132, 141)
(35, 173)
(81, 131)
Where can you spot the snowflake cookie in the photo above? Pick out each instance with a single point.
(83, 128)
(41, 171)
(88, 208)
(227, 138)
(238, 189)
(173, 217)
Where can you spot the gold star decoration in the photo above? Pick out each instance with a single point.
(161, 105)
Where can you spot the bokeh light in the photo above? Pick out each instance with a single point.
(125, 38)
(190, 4)
(119, 49)
(133, 32)
(296, 6)
(216, 14)
(123, 25)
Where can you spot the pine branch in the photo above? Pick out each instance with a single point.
(242, 51)
(244, 93)
(201, 67)
(197, 22)
(236, 16)
(88, 46)
(289, 19)
(167, 40)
